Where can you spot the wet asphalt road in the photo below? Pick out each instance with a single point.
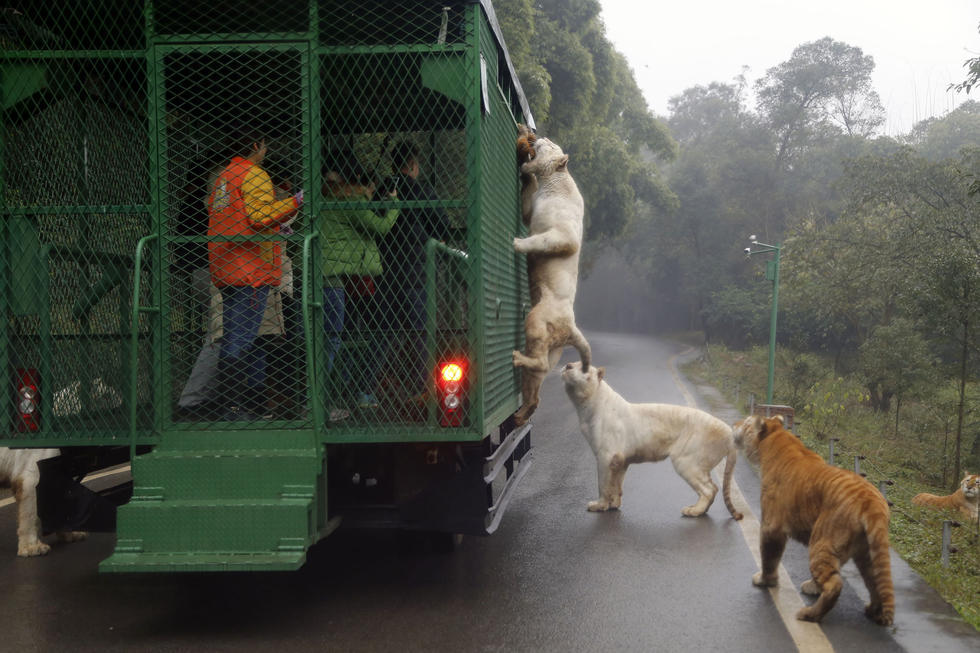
(553, 578)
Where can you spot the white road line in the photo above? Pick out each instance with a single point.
(90, 477)
(808, 636)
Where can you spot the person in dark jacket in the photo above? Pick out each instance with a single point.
(403, 255)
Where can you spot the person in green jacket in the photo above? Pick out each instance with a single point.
(350, 261)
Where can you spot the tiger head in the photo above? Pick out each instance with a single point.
(579, 385)
(752, 430)
(971, 487)
(548, 159)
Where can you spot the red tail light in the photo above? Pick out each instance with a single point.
(451, 386)
(28, 400)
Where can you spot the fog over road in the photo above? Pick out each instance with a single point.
(553, 578)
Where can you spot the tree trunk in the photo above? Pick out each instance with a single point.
(898, 408)
(961, 409)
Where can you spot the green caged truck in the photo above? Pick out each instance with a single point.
(367, 380)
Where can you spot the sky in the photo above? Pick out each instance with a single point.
(919, 46)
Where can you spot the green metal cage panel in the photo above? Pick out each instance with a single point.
(117, 118)
(366, 311)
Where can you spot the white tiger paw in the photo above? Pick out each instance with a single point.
(37, 548)
(598, 506)
(759, 581)
(810, 587)
(693, 511)
(72, 536)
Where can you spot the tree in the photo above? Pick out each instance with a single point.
(896, 361)
(945, 137)
(949, 298)
(972, 74)
(824, 87)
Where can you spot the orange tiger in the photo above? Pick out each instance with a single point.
(837, 512)
(525, 144)
(965, 499)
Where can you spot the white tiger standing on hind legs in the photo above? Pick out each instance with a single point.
(553, 210)
(19, 471)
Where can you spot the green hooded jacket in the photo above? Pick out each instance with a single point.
(347, 240)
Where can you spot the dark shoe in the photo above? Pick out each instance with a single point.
(236, 414)
(206, 412)
(367, 400)
(338, 414)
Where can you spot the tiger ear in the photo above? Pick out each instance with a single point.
(761, 425)
(562, 163)
(602, 372)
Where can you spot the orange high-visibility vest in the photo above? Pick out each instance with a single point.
(234, 211)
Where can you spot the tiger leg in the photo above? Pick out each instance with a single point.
(530, 392)
(578, 341)
(617, 469)
(610, 471)
(825, 572)
(536, 343)
(772, 542)
(535, 364)
(28, 523)
(873, 610)
(700, 481)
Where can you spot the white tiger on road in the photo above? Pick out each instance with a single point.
(621, 433)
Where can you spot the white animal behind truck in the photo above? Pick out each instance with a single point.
(19, 471)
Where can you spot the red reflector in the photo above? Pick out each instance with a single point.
(28, 400)
(451, 383)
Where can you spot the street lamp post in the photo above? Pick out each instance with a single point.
(772, 273)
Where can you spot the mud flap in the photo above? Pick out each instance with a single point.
(64, 504)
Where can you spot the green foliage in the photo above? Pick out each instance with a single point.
(584, 96)
(805, 371)
(896, 361)
(732, 315)
(972, 75)
(944, 137)
(827, 402)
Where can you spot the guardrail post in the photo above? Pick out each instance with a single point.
(830, 458)
(857, 465)
(947, 536)
(883, 488)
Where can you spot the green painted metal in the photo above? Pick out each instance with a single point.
(114, 120)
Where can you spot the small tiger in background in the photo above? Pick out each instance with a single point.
(966, 498)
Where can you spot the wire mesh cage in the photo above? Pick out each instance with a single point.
(251, 215)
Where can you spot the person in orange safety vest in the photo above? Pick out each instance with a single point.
(242, 203)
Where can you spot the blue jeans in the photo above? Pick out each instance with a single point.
(334, 301)
(363, 372)
(242, 308)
